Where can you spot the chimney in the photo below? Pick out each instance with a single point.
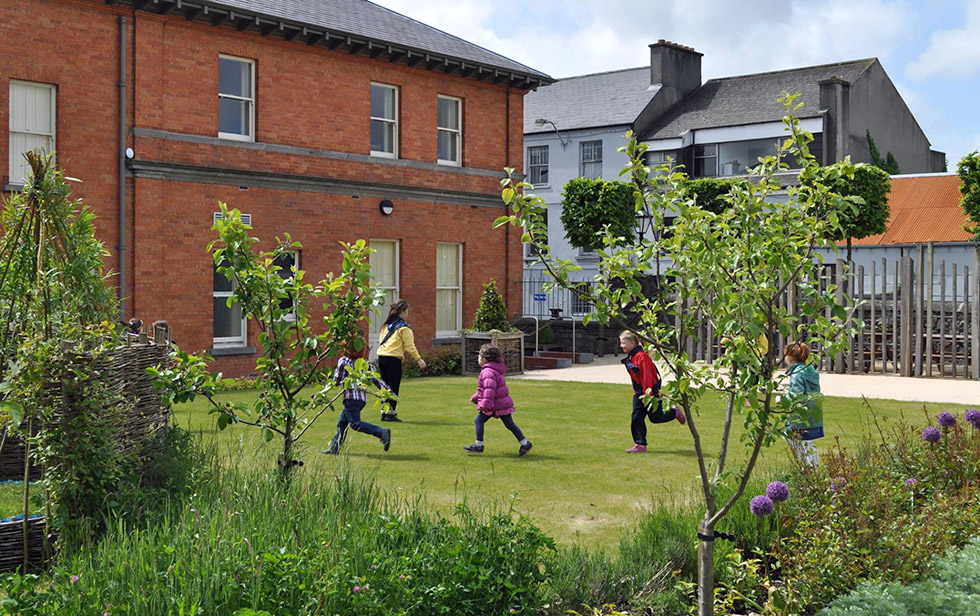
(675, 66)
(835, 101)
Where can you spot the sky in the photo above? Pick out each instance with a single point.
(929, 48)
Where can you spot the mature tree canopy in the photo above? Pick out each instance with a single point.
(969, 172)
(590, 205)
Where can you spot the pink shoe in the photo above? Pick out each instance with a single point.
(679, 415)
(637, 449)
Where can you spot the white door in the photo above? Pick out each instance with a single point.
(384, 271)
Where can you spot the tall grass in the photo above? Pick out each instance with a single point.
(328, 544)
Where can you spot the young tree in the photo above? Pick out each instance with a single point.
(293, 355)
(969, 171)
(731, 270)
(491, 315)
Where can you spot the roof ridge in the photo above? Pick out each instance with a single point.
(793, 70)
(618, 70)
(458, 38)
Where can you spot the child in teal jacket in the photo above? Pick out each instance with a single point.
(806, 425)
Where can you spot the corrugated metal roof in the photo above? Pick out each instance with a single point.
(924, 208)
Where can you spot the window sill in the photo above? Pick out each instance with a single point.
(540, 186)
(447, 339)
(13, 188)
(448, 163)
(234, 137)
(232, 350)
(384, 154)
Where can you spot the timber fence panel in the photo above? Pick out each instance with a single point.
(919, 288)
(975, 315)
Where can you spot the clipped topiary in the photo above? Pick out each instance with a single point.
(491, 316)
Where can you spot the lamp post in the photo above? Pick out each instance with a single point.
(561, 138)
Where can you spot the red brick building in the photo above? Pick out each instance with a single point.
(315, 118)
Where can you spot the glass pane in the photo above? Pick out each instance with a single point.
(448, 113)
(227, 321)
(378, 318)
(447, 146)
(382, 102)
(30, 108)
(447, 266)
(538, 155)
(446, 310)
(539, 175)
(222, 284)
(705, 150)
(383, 263)
(20, 144)
(738, 157)
(705, 167)
(285, 263)
(592, 170)
(235, 77)
(382, 136)
(233, 116)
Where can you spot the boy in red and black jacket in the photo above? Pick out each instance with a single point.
(646, 379)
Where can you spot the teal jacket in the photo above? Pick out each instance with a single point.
(804, 383)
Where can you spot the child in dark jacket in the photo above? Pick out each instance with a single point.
(646, 380)
(354, 400)
(492, 399)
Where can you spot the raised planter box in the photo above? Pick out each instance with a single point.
(511, 344)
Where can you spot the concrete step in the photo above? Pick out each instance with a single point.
(546, 363)
(580, 358)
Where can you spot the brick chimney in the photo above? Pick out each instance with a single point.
(675, 66)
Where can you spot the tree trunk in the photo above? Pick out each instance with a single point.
(286, 460)
(706, 572)
(27, 493)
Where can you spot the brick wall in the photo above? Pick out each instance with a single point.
(306, 98)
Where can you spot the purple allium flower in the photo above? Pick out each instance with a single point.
(777, 491)
(973, 417)
(357, 589)
(74, 579)
(401, 577)
(946, 419)
(760, 505)
(373, 567)
(911, 481)
(838, 483)
(931, 434)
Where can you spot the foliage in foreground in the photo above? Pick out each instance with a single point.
(953, 590)
(969, 171)
(319, 545)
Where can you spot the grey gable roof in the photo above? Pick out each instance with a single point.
(749, 99)
(335, 22)
(600, 99)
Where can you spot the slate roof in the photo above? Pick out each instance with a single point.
(924, 208)
(749, 99)
(363, 20)
(600, 99)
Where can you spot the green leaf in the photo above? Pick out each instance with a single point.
(15, 410)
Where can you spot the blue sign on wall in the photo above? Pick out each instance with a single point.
(540, 297)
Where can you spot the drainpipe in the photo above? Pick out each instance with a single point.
(121, 247)
(507, 227)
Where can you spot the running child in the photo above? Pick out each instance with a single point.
(354, 400)
(492, 399)
(646, 380)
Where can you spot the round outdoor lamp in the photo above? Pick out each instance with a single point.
(386, 207)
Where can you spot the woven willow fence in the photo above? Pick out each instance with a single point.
(139, 414)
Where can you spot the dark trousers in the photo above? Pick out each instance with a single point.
(482, 419)
(641, 413)
(390, 369)
(350, 417)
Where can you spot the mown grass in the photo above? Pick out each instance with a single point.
(577, 484)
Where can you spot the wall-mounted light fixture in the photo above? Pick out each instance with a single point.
(561, 138)
(386, 207)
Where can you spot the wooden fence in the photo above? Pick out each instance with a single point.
(921, 317)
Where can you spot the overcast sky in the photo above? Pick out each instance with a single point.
(929, 48)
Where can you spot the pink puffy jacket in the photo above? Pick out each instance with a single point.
(492, 396)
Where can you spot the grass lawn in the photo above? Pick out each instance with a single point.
(577, 483)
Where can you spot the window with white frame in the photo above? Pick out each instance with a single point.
(236, 98)
(537, 164)
(32, 124)
(230, 327)
(288, 263)
(384, 272)
(591, 157)
(661, 158)
(384, 120)
(449, 289)
(450, 130)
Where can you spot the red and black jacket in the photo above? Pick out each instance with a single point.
(643, 372)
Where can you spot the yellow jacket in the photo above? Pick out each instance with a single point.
(401, 342)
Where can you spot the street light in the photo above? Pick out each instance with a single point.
(561, 138)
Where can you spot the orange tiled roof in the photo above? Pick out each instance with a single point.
(924, 208)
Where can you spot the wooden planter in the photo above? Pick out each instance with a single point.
(511, 344)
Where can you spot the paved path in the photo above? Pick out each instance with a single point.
(954, 391)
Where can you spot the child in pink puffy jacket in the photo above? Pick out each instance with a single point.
(492, 399)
